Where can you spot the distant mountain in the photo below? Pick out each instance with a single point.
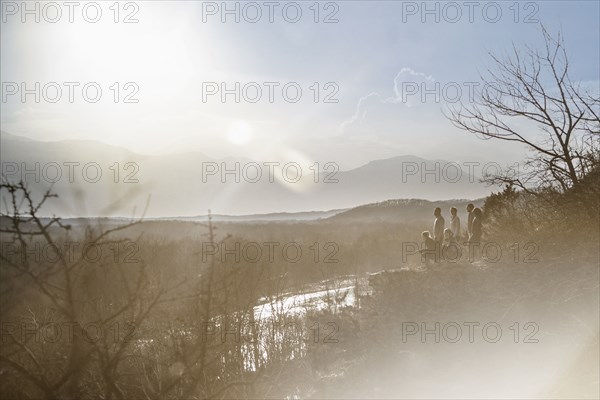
(402, 211)
(295, 216)
(172, 185)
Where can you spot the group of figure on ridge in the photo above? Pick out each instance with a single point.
(445, 243)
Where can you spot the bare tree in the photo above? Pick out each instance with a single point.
(63, 290)
(529, 88)
(75, 327)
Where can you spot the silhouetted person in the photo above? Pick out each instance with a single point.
(438, 232)
(476, 228)
(454, 222)
(428, 253)
(438, 226)
(449, 236)
(470, 217)
(450, 248)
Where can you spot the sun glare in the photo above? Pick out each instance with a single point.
(240, 133)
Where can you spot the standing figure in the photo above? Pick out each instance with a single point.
(455, 223)
(438, 225)
(438, 232)
(476, 228)
(470, 217)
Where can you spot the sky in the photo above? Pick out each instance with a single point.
(348, 68)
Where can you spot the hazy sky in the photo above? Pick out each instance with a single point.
(363, 61)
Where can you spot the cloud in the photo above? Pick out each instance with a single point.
(405, 82)
(361, 112)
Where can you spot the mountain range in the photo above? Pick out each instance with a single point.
(96, 179)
